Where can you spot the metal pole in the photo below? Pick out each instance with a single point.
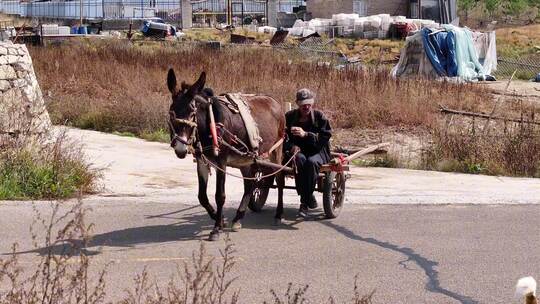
(81, 11)
(229, 9)
(242, 13)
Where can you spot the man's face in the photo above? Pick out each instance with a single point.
(305, 109)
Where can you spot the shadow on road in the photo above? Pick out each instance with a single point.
(433, 284)
(190, 224)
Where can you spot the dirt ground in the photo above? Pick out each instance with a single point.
(406, 145)
(518, 89)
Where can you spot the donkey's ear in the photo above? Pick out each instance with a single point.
(199, 85)
(171, 81)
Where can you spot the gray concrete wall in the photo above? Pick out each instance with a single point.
(326, 8)
(392, 7)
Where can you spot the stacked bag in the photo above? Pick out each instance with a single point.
(352, 25)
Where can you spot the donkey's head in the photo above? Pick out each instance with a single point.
(183, 111)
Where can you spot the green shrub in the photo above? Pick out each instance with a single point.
(159, 135)
(57, 171)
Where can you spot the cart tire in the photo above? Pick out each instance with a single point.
(333, 193)
(259, 194)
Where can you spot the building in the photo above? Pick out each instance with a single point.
(430, 9)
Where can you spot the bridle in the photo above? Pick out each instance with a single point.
(191, 123)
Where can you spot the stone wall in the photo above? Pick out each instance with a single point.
(23, 116)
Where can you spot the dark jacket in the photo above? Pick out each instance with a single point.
(318, 137)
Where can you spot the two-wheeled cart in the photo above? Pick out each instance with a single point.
(331, 181)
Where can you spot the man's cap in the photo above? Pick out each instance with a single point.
(305, 96)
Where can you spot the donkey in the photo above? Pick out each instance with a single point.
(191, 132)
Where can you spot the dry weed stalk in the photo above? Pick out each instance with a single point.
(200, 282)
(511, 148)
(113, 86)
(62, 275)
(56, 279)
(299, 295)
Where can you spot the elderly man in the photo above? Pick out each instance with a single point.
(308, 135)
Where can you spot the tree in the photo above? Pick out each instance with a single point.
(466, 6)
(516, 7)
(492, 6)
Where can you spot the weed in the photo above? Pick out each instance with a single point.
(159, 135)
(61, 276)
(385, 161)
(513, 149)
(58, 170)
(110, 86)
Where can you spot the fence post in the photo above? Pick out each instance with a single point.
(187, 14)
(271, 16)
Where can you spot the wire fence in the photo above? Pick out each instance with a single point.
(124, 9)
(527, 67)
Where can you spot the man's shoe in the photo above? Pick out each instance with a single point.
(303, 211)
(312, 204)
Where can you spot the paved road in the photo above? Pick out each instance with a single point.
(413, 236)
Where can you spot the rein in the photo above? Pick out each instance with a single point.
(192, 123)
(206, 160)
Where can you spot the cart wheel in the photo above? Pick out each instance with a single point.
(259, 194)
(333, 193)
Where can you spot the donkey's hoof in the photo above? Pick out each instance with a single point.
(236, 226)
(214, 236)
(277, 222)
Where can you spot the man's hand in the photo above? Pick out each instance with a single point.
(297, 131)
(294, 150)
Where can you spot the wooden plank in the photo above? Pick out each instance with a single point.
(366, 151)
(328, 168)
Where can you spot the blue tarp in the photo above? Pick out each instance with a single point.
(440, 47)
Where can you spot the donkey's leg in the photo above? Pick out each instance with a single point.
(202, 174)
(277, 157)
(220, 201)
(248, 189)
(280, 181)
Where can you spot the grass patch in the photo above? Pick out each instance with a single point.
(160, 135)
(374, 51)
(111, 86)
(516, 42)
(385, 161)
(513, 149)
(57, 171)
